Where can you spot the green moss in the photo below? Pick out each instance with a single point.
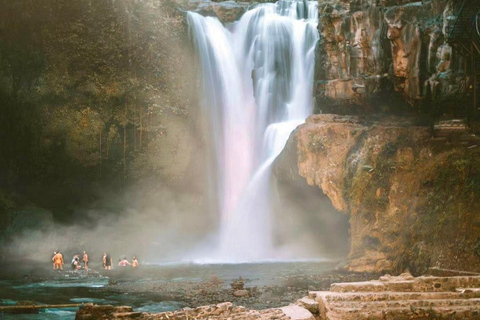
(316, 143)
(365, 184)
(453, 197)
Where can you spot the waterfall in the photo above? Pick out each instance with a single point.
(257, 82)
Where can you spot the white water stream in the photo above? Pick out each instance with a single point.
(257, 82)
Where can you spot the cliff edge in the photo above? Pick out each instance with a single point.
(412, 198)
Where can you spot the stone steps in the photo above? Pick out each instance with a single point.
(398, 298)
(295, 312)
(309, 304)
(392, 296)
(405, 303)
(450, 313)
(405, 283)
(401, 308)
(468, 290)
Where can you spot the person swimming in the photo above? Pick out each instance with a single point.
(123, 262)
(134, 262)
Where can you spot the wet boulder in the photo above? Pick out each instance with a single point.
(226, 11)
(241, 293)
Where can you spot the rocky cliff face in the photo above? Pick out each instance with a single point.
(412, 199)
(95, 93)
(388, 56)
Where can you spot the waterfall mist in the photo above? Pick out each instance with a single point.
(162, 227)
(257, 78)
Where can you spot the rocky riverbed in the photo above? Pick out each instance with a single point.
(402, 298)
(241, 292)
(161, 288)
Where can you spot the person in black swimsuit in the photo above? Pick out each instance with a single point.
(107, 261)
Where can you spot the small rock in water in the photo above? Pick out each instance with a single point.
(241, 293)
(214, 280)
(238, 284)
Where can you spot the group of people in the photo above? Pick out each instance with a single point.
(122, 262)
(76, 263)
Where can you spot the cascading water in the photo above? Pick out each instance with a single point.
(257, 79)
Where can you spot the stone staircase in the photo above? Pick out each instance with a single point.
(403, 297)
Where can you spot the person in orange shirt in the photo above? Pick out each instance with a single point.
(58, 261)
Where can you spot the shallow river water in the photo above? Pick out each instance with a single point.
(49, 287)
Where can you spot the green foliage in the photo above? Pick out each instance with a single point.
(316, 143)
(365, 183)
(453, 197)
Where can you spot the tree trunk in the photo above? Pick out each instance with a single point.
(141, 127)
(100, 152)
(100, 140)
(125, 147)
(134, 128)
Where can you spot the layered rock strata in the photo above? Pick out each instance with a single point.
(377, 56)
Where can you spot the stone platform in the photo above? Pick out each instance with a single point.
(389, 298)
(403, 297)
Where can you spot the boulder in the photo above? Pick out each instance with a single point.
(226, 11)
(241, 293)
(297, 313)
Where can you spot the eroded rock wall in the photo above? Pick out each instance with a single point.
(95, 92)
(388, 56)
(413, 201)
